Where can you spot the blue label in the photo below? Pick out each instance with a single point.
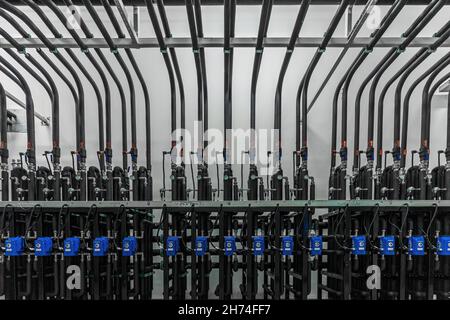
(230, 245)
(172, 246)
(443, 246)
(316, 245)
(129, 246)
(201, 246)
(43, 246)
(416, 246)
(14, 246)
(287, 245)
(71, 247)
(358, 245)
(258, 245)
(387, 245)
(101, 246)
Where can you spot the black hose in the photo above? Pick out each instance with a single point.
(176, 67)
(198, 66)
(392, 55)
(302, 93)
(31, 138)
(168, 63)
(82, 68)
(406, 103)
(138, 72)
(259, 50)
(344, 84)
(63, 78)
(199, 23)
(412, 65)
(4, 153)
(426, 109)
(287, 57)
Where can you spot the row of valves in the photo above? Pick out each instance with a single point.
(43, 246)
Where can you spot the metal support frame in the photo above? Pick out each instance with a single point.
(217, 42)
(124, 15)
(44, 120)
(232, 206)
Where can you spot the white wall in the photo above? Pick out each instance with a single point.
(281, 24)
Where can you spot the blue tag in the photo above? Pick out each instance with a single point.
(387, 245)
(172, 246)
(129, 246)
(43, 246)
(258, 245)
(101, 246)
(71, 247)
(316, 245)
(416, 246)
(201, 246)
(287, 245)
(230, 245)
(14, 246)
(443, 246)
(358, 245)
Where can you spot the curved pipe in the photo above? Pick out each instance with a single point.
(176, 67)
(406, 103)
(393, 54)
(82, 68)
(164, 52)
(63, 77)
(302, 93)
(4, 153)
(287, 57)
(199, 23)
(80, 127)
(259, 50)
(198, 66)
(138, 72)
(426, 111)
(344, 84)
(31, 140)
(409, 67)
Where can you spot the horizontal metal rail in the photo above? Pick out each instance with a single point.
(236, 206)
(45, 121)
(217, 42)
(238, 2)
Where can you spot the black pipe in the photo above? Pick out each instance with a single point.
(199, 24)
(411, 66)
(176, 67)
(426, 111)
(82, 68)
(259, 49)
(392, 55)
(406, 103)
(287, 57)
(167, 61)
(138, 72)
(4, 153)
(54, 96)
(345, 84)
(31, 138)
(198, 66)
(63, 78)
(302, 93)
(80, 114)
(133, 151)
